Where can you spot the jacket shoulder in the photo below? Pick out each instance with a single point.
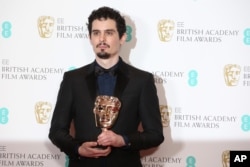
(81, 71)
(134, 71)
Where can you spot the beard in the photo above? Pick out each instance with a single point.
(103, 55)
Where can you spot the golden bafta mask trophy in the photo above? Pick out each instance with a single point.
(106, 111)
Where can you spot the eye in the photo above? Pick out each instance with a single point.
(95, 33)
(100, 107)
(110, 32)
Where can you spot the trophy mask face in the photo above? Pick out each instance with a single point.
(106, 111)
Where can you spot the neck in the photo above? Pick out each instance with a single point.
(107, 63)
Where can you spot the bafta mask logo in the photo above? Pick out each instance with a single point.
(226, 158)
(166, 30)
(165, 115)
(106, 111)
(232, 74)
(42, 112)
(45, 25)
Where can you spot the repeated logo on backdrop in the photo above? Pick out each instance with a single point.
(225, 158)
(4, 115)
(236, 75)
(9, 71)
(45, 25)
(247, 36)
(159, 161)
(22, 158)
(43, 112)
(6, 29)
(165, 115)
(162, 77)
(191, 161)
(166, 30)
(171, 30)
(49, 26)
(232, 74)
(245, 123)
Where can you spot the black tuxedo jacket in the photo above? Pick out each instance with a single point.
(75, 102)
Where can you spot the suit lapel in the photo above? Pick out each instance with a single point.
(91, 82)
(122, 79)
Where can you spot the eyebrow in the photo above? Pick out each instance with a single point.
(94, 30)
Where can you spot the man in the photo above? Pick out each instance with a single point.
(134, 88)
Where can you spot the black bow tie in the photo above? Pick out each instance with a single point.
(100, 71)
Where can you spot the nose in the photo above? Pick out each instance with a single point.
(102, 37)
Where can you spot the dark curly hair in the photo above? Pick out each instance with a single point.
(107, 13)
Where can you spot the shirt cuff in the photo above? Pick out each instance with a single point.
(126, 140)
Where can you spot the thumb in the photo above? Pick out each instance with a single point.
(92, 143)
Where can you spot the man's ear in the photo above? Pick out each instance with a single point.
(123, 38)
(90, 40)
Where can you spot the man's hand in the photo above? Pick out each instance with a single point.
(109, 138)
(87, 150)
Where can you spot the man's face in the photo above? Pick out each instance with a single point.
(105, 38)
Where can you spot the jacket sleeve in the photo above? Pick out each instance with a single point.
(59, 133)
(149, 112)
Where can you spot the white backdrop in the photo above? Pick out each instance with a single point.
(203, 114)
